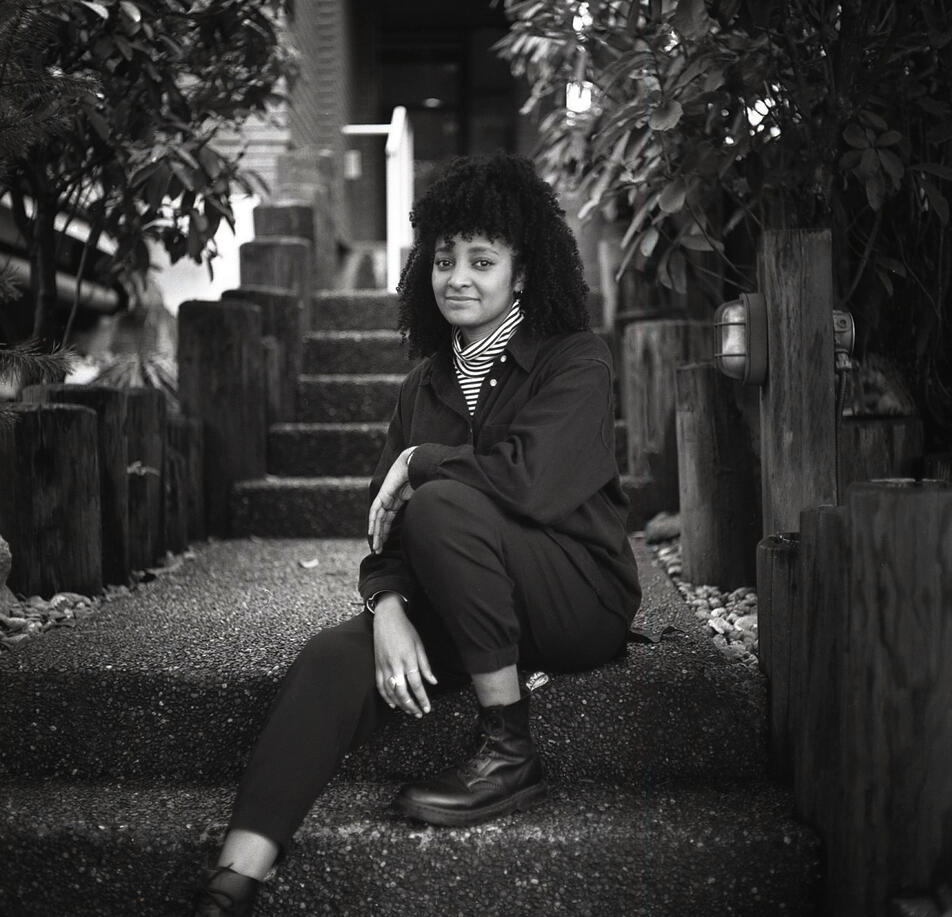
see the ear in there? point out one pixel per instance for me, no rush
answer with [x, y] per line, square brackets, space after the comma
[519, 282]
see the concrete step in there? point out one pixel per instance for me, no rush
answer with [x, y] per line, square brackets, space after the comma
[300, 507]
[174, 681]
[103, 850]
[356, 310]
[330, 352]
[333, 507]
[355, 398]
[298, 450]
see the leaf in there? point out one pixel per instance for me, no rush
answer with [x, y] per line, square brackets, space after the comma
[696, 243]
[131, 11]
[181, 173]
[691, 19]
[678, 271]
[97, 8]
[666, 116]
[937, 200]
[871, 119]
[673, 196]
[892, 264]
[893, 165]
[638, 218]
[875, 190]
[850, 160]
[99, 124]
[648, 241]
[855, 136]
[934, 168]
[868, 165]
[889, 138]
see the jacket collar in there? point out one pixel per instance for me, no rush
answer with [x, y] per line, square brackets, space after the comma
[523, 346]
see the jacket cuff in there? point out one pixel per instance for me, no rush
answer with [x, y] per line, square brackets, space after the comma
[372, 586]
[425, 462]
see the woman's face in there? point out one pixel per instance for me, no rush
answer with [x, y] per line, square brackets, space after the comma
[473, 283]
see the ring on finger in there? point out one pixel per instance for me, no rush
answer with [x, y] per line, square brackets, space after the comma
[394, 680]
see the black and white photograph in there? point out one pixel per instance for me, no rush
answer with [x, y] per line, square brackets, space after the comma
[475, 458]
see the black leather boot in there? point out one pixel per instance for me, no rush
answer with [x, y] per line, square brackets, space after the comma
[503, 776]
[226, 893]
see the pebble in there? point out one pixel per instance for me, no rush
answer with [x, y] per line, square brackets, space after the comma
[731, 617]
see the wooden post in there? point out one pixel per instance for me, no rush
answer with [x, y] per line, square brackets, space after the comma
[651, 353]
[280, 263]
[878, 447]
[176, 484]
[938, 466]
[717, 474]
[221, 381]
[49, 499]
[145, 432]
[293, 219]
[820, 645]
[797, 406]
[185, 439]
[282, 320]
[111, 407]
[777, 610]
[897, 729]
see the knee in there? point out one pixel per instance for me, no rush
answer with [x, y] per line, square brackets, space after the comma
[339, 652]
[439, 506]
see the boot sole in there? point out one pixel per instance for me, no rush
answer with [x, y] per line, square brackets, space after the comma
[518, 802]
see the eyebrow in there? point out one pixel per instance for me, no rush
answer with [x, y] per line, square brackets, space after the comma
[479, 249]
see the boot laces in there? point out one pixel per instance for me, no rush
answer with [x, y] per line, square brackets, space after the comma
[485, 737]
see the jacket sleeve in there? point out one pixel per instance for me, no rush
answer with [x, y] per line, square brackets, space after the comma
[558, 451]
[387, 571]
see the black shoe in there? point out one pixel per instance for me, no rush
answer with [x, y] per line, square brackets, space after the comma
[226, 893]
[503, 776]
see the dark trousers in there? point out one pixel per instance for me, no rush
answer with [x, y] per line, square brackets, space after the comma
[491, 592]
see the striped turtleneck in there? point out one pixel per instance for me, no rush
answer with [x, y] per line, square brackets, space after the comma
[473, 363]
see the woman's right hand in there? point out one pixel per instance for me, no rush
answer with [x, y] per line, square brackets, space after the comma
[401, 660]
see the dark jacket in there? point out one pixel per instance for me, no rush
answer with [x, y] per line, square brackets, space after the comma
[541, 445]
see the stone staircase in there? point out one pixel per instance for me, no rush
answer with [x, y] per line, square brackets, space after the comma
[121, 740]
[319, 468]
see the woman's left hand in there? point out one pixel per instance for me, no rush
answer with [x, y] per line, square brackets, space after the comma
[393, 493]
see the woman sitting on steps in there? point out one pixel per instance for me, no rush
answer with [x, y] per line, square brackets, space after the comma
[496, 527]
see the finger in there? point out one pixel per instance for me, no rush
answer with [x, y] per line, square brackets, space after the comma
[373, 516]
[383, 690]
[424, 662]
[416, 687]
[379, 530]
[407, 703]
[386, 523]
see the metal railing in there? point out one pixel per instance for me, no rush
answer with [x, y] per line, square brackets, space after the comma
[399, 152]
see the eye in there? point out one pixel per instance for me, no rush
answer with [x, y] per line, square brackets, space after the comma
[442, 263]
[483, 263]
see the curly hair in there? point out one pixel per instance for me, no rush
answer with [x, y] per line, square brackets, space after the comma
[501, 197]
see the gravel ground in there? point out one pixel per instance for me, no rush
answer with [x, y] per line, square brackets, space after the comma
[731, 617]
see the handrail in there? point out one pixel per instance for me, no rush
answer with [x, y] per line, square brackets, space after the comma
[399, 152]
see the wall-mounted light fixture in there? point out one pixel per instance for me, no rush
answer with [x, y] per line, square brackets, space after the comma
[844, 336]
[740, 339]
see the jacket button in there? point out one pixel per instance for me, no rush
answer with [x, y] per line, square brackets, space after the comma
[492, 383]
[502, 359]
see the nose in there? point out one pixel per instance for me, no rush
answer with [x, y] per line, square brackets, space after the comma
[459, 277]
